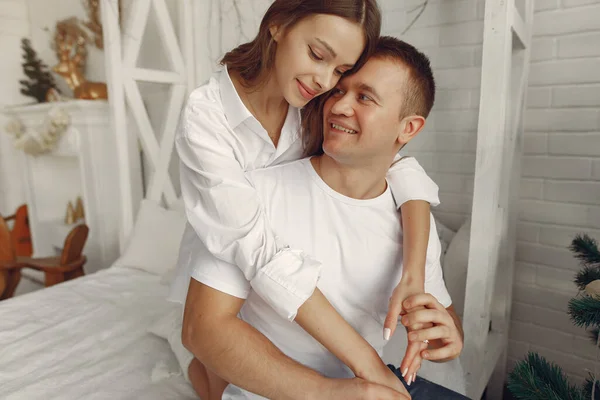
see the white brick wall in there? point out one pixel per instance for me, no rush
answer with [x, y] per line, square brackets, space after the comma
[14, 25]
[560, 187]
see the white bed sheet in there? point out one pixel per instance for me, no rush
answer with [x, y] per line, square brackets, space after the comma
[88, 339]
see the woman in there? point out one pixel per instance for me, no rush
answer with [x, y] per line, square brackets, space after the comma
[248, 117]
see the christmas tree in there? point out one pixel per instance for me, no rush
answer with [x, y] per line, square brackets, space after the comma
[40, 79]
[537, 379]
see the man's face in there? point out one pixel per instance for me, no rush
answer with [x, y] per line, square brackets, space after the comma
[362, 116]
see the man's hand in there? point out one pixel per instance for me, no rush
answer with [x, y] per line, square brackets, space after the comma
[445, 335]
[359, 389]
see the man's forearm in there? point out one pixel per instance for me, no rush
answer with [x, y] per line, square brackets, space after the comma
[237, 352]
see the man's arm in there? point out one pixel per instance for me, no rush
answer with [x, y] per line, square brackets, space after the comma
[240, 354]
[236, 351]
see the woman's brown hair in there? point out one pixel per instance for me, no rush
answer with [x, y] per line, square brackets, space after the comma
[252, 59]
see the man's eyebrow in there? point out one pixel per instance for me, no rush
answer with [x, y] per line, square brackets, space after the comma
[370, 89]
[331, 51]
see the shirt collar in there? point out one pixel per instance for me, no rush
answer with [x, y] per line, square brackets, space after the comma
[235, 110]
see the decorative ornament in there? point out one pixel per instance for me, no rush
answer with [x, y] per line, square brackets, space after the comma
[593, 288]
[45, 138]
[40, 80]
[70, 45]
[79, 213]
[70, 215]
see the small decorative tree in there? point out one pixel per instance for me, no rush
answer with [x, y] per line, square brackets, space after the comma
[40, 79]
[537, 379]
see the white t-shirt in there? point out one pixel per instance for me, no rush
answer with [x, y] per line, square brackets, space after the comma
[218, 141]
[359, 243]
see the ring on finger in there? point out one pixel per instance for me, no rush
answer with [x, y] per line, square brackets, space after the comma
[426, 341]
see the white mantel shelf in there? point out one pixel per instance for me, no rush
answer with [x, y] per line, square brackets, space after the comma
[82, 164]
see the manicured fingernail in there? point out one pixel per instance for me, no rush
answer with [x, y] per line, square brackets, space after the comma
[408, 382]
[404, 372]
[386, 333]
[414, 377]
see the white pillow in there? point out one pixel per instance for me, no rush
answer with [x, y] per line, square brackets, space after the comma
[446, 235]
[154, 243]
[455, 266]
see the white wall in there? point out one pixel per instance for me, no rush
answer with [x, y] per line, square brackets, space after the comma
[561, 181]
[14, 24]
[560, 188]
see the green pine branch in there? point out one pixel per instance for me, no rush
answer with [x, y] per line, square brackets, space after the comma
[40, 79]
[587, 388]
[587, 275]
[536, 379]
[585, 311]
[586, 250]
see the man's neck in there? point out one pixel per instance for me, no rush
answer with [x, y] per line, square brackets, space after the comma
[357, 182]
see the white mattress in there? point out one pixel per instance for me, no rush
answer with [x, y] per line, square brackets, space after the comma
[87, 339]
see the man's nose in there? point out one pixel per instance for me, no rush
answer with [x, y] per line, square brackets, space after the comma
[343, 106]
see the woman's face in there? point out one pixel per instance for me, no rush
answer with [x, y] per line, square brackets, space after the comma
[312, 55]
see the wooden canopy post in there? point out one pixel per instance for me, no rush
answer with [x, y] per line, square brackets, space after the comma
[488, 298]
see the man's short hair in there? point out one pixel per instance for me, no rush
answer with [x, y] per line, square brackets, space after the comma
[420, 90]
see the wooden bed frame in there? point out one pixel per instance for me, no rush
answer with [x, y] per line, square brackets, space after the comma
[505, 68]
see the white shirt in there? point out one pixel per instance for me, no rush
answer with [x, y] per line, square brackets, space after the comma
[360, 245]
[217, 141]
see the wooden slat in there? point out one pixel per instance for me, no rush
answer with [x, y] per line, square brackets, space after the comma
[113, 62]
[486, 216]
[520, 29]
[161, 172]
[186, 30]
[155, 76]
[168, 36]
[146, 131]
[504, 285]
[134, 31]
[489, 359]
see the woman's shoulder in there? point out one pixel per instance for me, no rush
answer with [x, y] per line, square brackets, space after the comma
[206, 96]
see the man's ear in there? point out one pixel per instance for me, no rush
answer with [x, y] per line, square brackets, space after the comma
[276, 32]
[409, 128]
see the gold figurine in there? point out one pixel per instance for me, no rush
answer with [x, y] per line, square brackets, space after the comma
[70, 45]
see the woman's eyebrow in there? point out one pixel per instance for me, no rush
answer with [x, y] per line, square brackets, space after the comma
[331, 51]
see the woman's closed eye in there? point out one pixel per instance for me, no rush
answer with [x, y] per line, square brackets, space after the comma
[314, 55]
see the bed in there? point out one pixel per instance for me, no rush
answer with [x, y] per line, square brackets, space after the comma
[89, 339]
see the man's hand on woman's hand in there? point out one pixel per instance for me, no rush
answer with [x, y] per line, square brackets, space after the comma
[427, 319]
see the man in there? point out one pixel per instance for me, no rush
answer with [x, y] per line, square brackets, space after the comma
[368, 118]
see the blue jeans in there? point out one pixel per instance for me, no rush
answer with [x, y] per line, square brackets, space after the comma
[422, 389]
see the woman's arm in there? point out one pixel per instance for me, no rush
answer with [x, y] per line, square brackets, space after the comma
[413, 192]
[226, 213]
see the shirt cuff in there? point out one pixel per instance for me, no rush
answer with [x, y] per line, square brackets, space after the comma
[287, 281]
